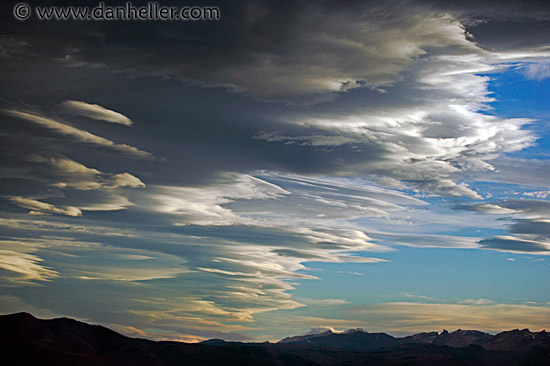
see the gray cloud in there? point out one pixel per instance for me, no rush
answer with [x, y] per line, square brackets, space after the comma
[540, 227]
[512, 244]
[524, 207]
[529, 229]
[406, 81]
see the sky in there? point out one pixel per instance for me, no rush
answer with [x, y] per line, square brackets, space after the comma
[293, 165]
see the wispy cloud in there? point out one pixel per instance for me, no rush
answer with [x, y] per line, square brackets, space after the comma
[537, 71]
[77, 175]
[400, 318]
[95, 111]
[38, 207]
[26, 266]
[76, 133]
[530, 228]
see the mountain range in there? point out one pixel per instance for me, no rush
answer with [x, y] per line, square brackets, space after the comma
[26, 340]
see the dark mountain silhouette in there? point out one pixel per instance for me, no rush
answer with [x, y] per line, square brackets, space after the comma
[305, 337]
[458, 338]
[26, 340]
[356, 340]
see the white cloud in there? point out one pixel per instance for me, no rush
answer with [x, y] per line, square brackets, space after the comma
[537, 71]
[537, 194]
[206, 205]
[425, 240]
[95, 111]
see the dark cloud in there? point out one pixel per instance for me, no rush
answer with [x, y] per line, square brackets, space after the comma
[511, 244]
[531, 227]
[529, 207]
[529, 231]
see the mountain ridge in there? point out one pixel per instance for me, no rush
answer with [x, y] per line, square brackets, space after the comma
[65, 341]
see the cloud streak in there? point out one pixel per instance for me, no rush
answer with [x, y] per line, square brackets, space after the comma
[95, 111]
[77, 134]
[41, 208]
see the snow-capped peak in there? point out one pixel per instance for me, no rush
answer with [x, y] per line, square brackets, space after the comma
[355, 330]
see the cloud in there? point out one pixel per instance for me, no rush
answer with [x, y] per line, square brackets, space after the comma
[95, 111]
[537, 71]
[525, 208]
[88, 261]
[26, 267]
[325, 302]
[341, 39]
[487, 208]
[70, 173]
[411, 95]
[530, 228]
[537, 194]
[315, 140]
[126, 180]
[529, 208]
[534, 227]
[420, 143]
[417, 317]
[516, 245]
[205, 205]
[107, 202]
[425, 240]
[531, 172]
[402, 318]
[79, 135]
[38, 170]
[38, 207]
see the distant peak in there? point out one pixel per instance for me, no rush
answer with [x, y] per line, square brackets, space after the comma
[355, 330]
[321, 330]
[22, 314]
